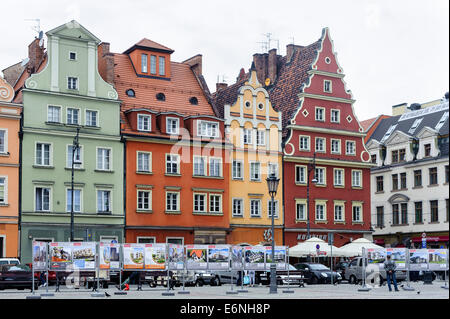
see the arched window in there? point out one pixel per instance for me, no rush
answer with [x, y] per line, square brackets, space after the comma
[130, 93]
[160, 96]
[193, 100]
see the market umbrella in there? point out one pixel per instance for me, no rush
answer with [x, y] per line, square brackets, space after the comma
[309, 248]
[355, 247]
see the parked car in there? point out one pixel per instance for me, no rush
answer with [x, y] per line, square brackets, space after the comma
[418, 275]
[16, 276]
[316, 273]
[354, 272]
[340, 268]
[197, 278]
[295, 276]
[9, 261]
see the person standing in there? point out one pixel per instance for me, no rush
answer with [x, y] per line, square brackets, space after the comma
[389, 267]
[251, 274]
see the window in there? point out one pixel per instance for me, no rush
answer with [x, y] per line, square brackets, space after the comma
[273, 208]
[380, 217]
[320, 144]
[304, 143]
[172, 164]
[172, 125]
[388, 133]
[402, 155]
[91, 118]
[327, 86]
[160, 96]
[144, 162]
[144, 123]
[395, 156]
[3, 141]
[380, 183]
[237, 169]
[78, 163]
[208, 129]
[433, 176]
[418, 212]
[427, 148]
[373, 158]
[415, 125]
[72, 83]
[193, 100]
[247, 136]
[404, 212]
[320, 212]
[255, 171]
[130, 93]
[338, 177]
[162, 65]
[144, 63]
[215, 167]
[447, 208]
[320, 176]
[441, 121]
[42, 156]
[146, 240]
[144, 199]
[103, 201]
[172, 202]
[434, 208]
[54, 114]
[357, 213]
[403, 180]
[418, 178]
[350, 148]
[300, 174]
[215, 203]
[395, 214]
[335, 146]
[260, 137]
[199, 166]
[153, 64]
[394, 182]
[42, 199]
[72, 56]
[72, 116]
[104, 159]
[3, 190]
[255, 208]
[175, 240]
[339, 212]
[335, 116]
[238, 207]
[199, 203]
[76, 200]
[272, 169]
[300, 211]
[320, 114]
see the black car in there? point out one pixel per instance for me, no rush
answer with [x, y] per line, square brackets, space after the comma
[340, 268]
[17, 277]
[318, 274]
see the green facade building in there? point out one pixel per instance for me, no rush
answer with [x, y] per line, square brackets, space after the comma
[69, 93]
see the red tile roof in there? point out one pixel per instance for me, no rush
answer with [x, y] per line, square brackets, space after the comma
[150, 45]
[367, 123]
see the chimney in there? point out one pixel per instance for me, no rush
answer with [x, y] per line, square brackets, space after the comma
[272, 65]
[106, 62]
[241, 75]
[260, 61]
[35, 54]
[220, 86]
[196, 64]
[290, 49]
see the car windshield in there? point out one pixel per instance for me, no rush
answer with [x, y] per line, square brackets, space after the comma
[16, 268]
[318, 267]
[292, 267]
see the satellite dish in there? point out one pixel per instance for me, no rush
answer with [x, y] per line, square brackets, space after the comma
[267, 82]
[41, 42]
[24, 61]
[41, 35]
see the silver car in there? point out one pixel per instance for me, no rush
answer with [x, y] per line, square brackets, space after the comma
[354, 272]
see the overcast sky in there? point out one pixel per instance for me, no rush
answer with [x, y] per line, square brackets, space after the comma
[391, 51]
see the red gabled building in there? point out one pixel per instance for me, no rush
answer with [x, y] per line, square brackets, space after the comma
[176, 172]
[307, 86]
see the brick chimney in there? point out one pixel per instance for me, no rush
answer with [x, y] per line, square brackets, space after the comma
[272, 65]
[106, 62]
[36, 55]
[290, 50]
[241, 75]
[220, 86]
[260, 60]
[196, 64]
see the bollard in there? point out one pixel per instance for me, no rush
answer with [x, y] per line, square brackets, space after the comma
[364, 287]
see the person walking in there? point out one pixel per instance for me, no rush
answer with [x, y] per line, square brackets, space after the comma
[251, 274]
[389, 267]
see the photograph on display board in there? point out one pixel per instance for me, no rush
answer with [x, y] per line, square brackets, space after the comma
[133, 256]
[280, 257]
[176, 256]
[254, 257]
[437, 258]
[39, 255]
[155, 256]
[398, 255]
[236, 257]
[196, 257]
[418, 258]
[83, 255]
[60, 255]
[109, 256]
[376, 256]
[219, 257]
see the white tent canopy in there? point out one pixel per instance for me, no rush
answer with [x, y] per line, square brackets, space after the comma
[355, 247]
[308, 248]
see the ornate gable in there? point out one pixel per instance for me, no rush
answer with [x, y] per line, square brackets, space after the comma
[6, 91]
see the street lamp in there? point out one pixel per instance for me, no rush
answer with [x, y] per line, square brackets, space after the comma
[75, 148]
[272, 184]
[311, 167]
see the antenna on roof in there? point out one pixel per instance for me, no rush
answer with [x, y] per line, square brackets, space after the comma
[37, 26]
[293, 42]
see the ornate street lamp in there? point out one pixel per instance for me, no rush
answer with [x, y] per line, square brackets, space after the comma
[75, 148]
[272, 184]
[311, 167]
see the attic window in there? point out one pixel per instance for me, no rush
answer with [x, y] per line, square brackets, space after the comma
[193, 100]
[130, 93]
[247, 104]
[160, 97]
[261, 106]
[327, 60]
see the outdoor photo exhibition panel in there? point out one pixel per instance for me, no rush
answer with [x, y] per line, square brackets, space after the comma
[155, 256]
[438, 259]
[254, 257]
[109, 256]
[133, 256]
[398, 255]
[175, 257]
[39, 255]
[197, 257]
[418, 259]
[280, 257]
[218, 257]
[237, 258]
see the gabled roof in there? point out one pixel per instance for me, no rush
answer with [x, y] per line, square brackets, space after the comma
[146, 44]
[366, 124]
[73, 25]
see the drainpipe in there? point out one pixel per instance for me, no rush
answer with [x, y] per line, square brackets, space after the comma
[19, 241]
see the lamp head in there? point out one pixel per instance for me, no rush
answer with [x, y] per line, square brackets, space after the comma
[272, 184]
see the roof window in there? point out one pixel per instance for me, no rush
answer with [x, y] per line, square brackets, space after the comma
[130, 93]
[160, 96]
[193, 100]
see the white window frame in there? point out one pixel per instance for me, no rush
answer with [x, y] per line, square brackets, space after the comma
[50, 154]
[335, 170]
[248, 136]
[5, 141]
[78, 115]
[241, 206]
[330, 86]
[69, 156]
[205, 164]
[317, 204]
[68, 190]
[257, 164]
[177, 156]
[153, 64]
[220, 203]
[308, 139]
[360, 206]
[339, 146]
[50, 206]
[251, 207]
[319, 108]
[149, 161]
[110, 200]
[149, 192]
[241, 170]
[205, 202]
[177, 130]
[324, 144]
[199, 129]
[324, 175]
[338, 116]
[305, 175]
[347, 142]
[97, 119]
[142, 127]
[360, 178]
[302, 202]
[182, 239]
[60, 113]
[110, 168]
[277, 208]
[144, 66]
[211, 166]
[162, 71]
[272, 164]
[76, 56]
[342, 205]
[76, 83]
[153, 238]
[178, 202]
[260, 137]
[5, 190]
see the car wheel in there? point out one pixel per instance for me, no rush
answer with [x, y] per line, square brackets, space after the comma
[352, 280]
[199, 283]
[215, 281]
[314, 280]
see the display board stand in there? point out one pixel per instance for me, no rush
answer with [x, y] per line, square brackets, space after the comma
[288, 290]
[364, 287]
[168, 293]
[445, 286]
[232, 292]
[184, 292]
[408, 286]
[97, 292]
[33, 295]
[121, 292]
[242, 290]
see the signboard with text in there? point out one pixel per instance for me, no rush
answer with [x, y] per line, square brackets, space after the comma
[218, 257]
[39, 255]
[197, 257]
[109, 256]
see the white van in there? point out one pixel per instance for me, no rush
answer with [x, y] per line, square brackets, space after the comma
[354, 272]
[9, 261]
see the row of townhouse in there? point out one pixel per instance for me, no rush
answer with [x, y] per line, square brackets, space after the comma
[161, 159]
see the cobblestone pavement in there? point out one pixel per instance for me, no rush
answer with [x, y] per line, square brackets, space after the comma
[342, 291]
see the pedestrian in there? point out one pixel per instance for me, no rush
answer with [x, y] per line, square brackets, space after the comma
[251, 274]
[42, 279]
[389, 267]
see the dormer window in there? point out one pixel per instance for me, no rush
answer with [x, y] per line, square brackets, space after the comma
[144, 122]
[193, 100]
[130, 93]
[172, 125]
[208, 129]
[162, 65]
[153, 64]
[160, 97]
[144, 63]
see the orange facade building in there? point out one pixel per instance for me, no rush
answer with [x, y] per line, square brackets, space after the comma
[10, 114]
[176, 167]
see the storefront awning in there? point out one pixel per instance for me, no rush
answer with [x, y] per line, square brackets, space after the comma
[431, 239]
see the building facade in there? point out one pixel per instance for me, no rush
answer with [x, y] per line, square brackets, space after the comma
[10, 115]
[176, 159]
[254, 129]
[410, 192]
[65, 95]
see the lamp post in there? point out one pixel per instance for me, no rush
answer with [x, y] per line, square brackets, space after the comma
[272, 184]
[75, 147]
[311, 167]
